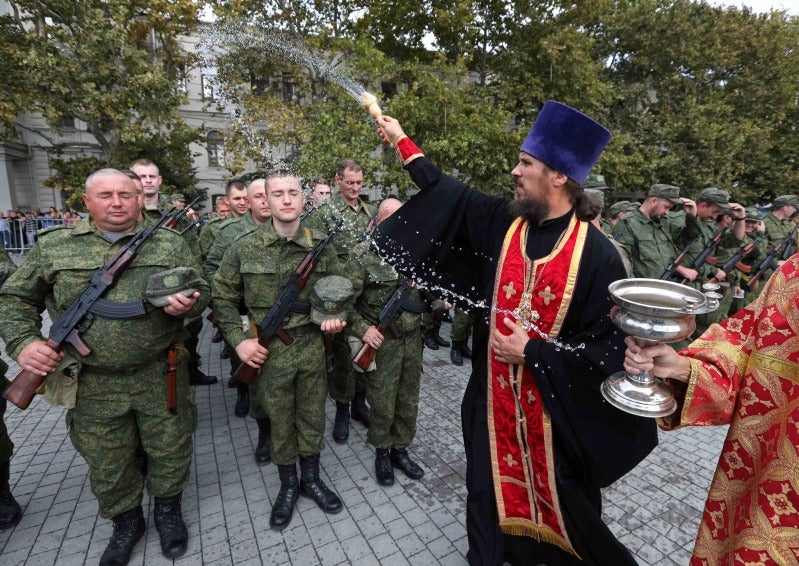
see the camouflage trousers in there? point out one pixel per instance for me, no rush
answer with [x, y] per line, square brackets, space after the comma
[393, 391]
[292, 388]
[345, 380]
[114, 415]
[6, 446]
[462, 322]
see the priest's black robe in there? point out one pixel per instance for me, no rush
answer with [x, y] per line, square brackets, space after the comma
[449, 238]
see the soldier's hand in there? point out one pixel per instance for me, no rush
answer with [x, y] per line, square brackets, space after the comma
[252, 353]
[333, 326]
[760, 226]
[39, 358]
[509, 349]
[390, 130]
[687, 272]
[688, 206]
[373, 337]
[180, 304]
[721, 275]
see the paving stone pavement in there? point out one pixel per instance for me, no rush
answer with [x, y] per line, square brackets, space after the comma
[654, 510]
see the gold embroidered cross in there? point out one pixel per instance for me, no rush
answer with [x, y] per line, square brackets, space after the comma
[502, 381]
[530, 397]
[546, 294]
[509, 290]
[524, 313]
[510, 461]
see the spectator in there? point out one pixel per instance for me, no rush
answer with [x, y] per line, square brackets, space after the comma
[31, 227]
[5, 233]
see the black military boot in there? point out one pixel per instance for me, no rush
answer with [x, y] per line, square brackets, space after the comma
[283, 508]
[430, 342]
[129, 527]
[455, 354]
[360, 411]
[199, 378]
[10, 511]
[401, 460]
[341, 426]
[439, 340]
[466, 350]
[312, 486]
[383, 470]
[242, 399]
[263, 452]
[170, 526]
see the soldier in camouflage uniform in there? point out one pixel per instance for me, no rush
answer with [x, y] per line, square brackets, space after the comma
[291, 384]
[155, 204]
[597, 183]
[122, 387]
[236, 192]
[462, 322]
[617, 213]
[247, 402]
[393, 386]
[346, 388]
[755, 234]
[10, 511]
[778, 221]
[597, 200]
[650, 240]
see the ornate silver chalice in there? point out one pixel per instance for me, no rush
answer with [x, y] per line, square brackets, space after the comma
[652, 311]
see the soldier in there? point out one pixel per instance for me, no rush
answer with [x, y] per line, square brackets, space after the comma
[431, 322]
[393, 386]
[462, 322]
[291, 384]
[755, 234]
[616, 214]
[155, 204]
[10, 511]
[597, 183]
[597, 200]
[257, 214]
[237, 204]
[121, 397]
[320, 190]
[777, 221]
[346, 388]
[650, 240]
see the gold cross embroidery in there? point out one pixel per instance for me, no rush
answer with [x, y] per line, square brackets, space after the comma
[502, 381]
[547, 295]
[509, 290]
[510, 461]
[530, 397]
[524, 313]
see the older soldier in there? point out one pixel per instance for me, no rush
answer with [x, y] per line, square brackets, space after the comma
[258, 213]
[651, 242]
[345, 387]
[291, 384]
[10, 511]
[121, 392]
[393, 386]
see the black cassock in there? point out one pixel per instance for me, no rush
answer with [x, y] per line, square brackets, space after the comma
[449, 237]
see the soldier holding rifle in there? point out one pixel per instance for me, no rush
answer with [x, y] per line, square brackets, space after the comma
[121, 399]
[257, 268]
[393, 386]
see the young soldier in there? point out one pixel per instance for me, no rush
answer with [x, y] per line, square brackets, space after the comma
[291, 384]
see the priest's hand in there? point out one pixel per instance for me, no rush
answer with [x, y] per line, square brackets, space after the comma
[660, 359]
[509, 349]
[390, 130]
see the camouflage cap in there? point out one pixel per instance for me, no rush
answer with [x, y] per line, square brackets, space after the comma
[670, 193]
[178, 197]
[752, 213]
[595, 181]
[596, 197]
[714, 196]
[330, 298]
[183, 280]
[785, 200]
[621, 206]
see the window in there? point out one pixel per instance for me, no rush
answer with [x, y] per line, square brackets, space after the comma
[216, 149]
[208, 80]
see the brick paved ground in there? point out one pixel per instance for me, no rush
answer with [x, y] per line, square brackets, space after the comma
[654, 510]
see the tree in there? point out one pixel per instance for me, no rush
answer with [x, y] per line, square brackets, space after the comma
[114, 65]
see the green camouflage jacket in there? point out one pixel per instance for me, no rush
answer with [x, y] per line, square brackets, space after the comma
[227, 233]
[325, 216]
[651, 245]
[56, 272]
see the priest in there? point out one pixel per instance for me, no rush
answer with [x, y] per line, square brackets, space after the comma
[540, 440]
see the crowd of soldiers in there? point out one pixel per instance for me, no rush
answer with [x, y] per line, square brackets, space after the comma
[134, 431]
[123, 418]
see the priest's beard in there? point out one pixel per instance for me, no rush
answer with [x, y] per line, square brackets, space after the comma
[532, 210]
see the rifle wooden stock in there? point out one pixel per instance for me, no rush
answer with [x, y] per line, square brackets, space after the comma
[172, 381]
[364, 357]
[245, 372]
[22, 389]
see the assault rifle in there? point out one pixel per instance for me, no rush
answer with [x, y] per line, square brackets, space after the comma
[735, 261]
[387, 319]
[272, 324]
[669, 273]
[770, 262]
[178, 213]
[88, 304]
[704, 256]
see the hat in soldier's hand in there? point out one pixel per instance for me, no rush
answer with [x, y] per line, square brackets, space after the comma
[713, 195]
[670, 193]
[160, 286]
[330, 298]
[785, 200]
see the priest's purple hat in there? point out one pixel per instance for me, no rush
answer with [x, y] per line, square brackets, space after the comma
[566, 140]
